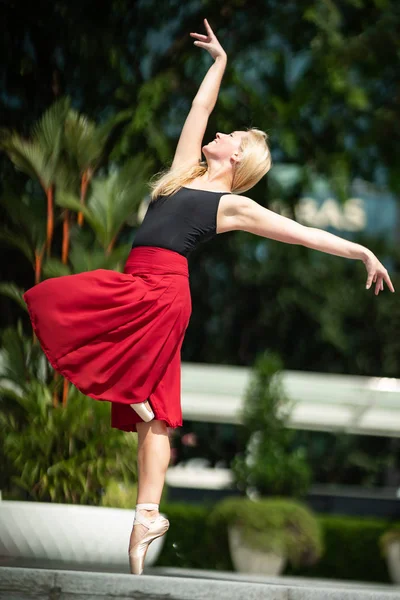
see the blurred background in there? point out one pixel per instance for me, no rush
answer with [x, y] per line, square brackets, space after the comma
[290, 367]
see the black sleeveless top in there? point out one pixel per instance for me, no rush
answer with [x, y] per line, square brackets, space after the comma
[180, 222]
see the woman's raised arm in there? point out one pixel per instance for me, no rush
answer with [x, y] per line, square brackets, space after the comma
[188, 150]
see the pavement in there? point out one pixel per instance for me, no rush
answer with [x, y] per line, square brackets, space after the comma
[162, 583]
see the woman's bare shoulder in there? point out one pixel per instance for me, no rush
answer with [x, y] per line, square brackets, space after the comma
[230, 209]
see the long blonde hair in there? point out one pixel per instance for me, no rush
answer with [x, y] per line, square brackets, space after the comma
[253, 165]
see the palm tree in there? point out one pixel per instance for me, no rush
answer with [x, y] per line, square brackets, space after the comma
[84, 145]
[62, 154]
[39, 157]
[64, 149]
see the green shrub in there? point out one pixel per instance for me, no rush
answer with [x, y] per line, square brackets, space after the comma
[191, 542]
[351, 550]
[274, 524]
[119, 495]
[66, 454]
[269, 465]
[54, 453]
[198, 540]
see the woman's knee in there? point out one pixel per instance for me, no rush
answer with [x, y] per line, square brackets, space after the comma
[151, 428]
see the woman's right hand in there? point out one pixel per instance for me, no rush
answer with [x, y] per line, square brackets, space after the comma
[209, 42]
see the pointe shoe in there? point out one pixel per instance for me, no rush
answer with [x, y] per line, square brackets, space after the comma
[156, 528]
[144, 413]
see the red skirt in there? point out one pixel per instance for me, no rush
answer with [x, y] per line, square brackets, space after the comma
[118, 336]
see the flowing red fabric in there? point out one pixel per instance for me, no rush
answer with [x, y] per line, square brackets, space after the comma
[118, 336]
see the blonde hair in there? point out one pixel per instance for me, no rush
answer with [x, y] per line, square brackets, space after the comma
[253, 165]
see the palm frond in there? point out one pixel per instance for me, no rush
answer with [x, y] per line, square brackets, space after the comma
[68, 200]
[10, 393]
[17, 241]
[48, 131]
[67, 175]
[21, 361]
[89, 260]
[99, 204]
[82, 140]
[31, 158]
[113, 200]
[53, 267]
[28, 214]
[39, 157]
[11, 290]
[130, 188]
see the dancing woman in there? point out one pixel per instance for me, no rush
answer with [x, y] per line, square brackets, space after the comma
[117, 336]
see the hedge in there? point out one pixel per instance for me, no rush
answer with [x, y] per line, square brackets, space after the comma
[191, 543]
[351, 545]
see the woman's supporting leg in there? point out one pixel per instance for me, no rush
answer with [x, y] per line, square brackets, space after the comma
[153, 456]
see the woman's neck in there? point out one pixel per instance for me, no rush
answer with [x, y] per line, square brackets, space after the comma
[215, 179]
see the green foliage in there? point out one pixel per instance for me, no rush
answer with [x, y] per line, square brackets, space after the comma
[351, 550]
[119, 495]
[351, 545]
[66, 454]
[63, 144]
[59, 454]
[278, 525]
[39, 157]
[319, 78]
[21, 361]
[348, 459]
[83, 258]
[307, 73]
[112, 199]
[308, 307]
[83, 141]
[269, 466]
[26, 213]
[13, 292]
[192, 543]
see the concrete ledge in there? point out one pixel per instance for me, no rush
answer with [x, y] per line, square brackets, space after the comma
[286, 580]
[45, 584]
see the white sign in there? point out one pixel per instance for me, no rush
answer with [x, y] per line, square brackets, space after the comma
[350, 216]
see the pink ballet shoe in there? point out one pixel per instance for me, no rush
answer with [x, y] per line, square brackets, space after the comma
[144, 413]
[156, 528]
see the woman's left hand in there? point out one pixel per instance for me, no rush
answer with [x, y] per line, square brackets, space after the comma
[209, 42]
[377, 274]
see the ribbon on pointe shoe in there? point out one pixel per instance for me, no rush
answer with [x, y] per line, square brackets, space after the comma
[144, 413]
[142, 520]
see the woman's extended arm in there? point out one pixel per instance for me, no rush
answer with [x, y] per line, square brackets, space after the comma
[188, 150]
[242, 213]
[209, 88]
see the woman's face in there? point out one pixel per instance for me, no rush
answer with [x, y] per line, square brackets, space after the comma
[225, 145]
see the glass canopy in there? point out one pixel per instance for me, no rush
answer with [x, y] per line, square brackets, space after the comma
[322, 401]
